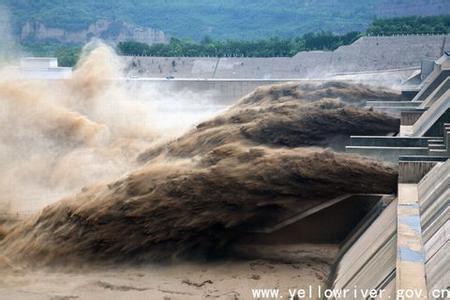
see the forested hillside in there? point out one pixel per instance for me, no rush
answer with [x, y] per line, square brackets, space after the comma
[287, 46]
[221, 19]
[269, 47]
[410, 25]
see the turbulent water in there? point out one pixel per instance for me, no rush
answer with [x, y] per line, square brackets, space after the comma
[189, 196]
[57, 137]
[289, 115]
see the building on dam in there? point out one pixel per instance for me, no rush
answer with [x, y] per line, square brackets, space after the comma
[42, 68]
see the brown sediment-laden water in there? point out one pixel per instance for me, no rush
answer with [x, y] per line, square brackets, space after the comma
[151, 200]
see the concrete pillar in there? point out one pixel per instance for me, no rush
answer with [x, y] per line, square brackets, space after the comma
[413, 171]
[447, 137]
[410, 274]
[408, 118]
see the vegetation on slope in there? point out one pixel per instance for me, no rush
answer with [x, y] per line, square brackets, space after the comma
[222, 19]
[269, 47]
[273, 47]
[410, 25]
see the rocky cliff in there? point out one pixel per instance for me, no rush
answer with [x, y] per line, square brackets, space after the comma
[114, 31]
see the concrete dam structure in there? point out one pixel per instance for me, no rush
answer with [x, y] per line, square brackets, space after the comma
[394, 243]
[367, 54]
[406, 247]
[375, 60]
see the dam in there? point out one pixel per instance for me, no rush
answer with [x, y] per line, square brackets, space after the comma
[376, 60]
[391, 241]
[399, 242]
[408, 242]
[367, 54]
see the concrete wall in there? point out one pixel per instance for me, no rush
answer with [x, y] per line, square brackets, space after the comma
[434, 195]
[415, 256]
[413, 171]
[366, 54]
[41, 68]
[431, 122]
[38, 62]
[436, 94]
[343, 214]
[383, 153]
[431, 84]
[407, 245]
[378, 53]
[408, 118]
[410, 261]
[369, 262]
[388, 141]
[223, 92]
